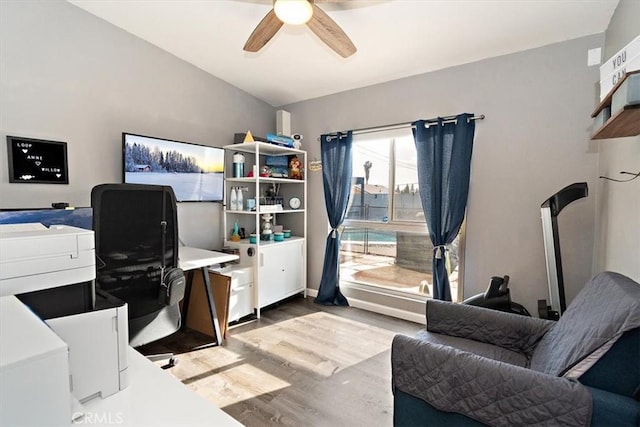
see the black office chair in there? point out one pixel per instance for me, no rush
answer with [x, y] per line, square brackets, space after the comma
[136, 238]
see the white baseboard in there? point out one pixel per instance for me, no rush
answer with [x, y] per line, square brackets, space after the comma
[380, 309]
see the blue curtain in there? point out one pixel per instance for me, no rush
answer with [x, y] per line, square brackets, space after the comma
[336, 176]
[444, 165]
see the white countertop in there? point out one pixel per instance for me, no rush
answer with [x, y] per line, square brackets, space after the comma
[191, 258]
[154, 398]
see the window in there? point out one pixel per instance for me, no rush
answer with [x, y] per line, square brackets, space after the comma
[379, 165]
[385, 242]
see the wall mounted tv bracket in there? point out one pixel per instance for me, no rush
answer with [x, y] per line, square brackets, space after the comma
[550, 210]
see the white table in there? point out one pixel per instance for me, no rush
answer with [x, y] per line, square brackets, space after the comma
[190, 259]
[154, 398]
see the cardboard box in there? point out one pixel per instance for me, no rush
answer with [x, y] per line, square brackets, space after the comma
[233, 293]
[627, 94]
[199, 317]
[602, 118]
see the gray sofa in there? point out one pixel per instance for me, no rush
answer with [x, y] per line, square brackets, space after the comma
[474, 366]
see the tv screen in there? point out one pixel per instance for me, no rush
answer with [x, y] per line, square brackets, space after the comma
[196, 172]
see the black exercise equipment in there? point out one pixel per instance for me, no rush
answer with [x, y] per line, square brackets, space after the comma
[550, 210]
[497, 297]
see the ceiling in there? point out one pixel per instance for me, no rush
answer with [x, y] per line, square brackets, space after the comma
[395, 38]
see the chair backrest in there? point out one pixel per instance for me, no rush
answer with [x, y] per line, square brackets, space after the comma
[127, 221]
[606, 308]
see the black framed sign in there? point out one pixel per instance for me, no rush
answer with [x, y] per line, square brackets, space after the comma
[37, 161]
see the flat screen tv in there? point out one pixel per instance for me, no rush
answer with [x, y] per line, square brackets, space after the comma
[195, 172]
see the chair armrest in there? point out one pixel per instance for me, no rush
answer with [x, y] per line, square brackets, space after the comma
[486, 390]
[511, 331]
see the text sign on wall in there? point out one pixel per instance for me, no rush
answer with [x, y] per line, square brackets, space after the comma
[37, 161]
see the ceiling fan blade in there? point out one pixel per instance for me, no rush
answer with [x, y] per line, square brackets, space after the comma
[266, 29]
[329, 32]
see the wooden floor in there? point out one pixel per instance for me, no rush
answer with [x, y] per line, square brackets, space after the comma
[301, 364]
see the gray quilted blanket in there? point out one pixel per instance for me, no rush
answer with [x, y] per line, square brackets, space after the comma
[516, 333]
[607, 306]
[489, 391]
[486, 385]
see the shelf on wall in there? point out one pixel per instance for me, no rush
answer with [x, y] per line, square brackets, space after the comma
[625, 122]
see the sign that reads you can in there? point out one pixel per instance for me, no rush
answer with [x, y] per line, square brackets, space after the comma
[624, 61]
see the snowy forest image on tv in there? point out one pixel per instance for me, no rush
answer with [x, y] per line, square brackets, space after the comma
[194, 171]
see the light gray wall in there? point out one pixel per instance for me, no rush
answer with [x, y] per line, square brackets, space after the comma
[618, 204]
[623, 27]
[533, 142]
[66, 75]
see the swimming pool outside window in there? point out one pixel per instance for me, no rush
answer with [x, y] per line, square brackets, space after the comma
[385, 241]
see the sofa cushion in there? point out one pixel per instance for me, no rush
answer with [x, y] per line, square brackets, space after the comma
[479, 348]
[607, 306]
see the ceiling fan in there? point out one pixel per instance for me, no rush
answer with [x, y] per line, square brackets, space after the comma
[298, 12]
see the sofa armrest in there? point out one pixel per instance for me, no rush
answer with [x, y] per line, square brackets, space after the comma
[610, 409]
[486, 390]
[511, 331]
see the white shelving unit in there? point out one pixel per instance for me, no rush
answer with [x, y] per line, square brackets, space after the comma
[280, 268]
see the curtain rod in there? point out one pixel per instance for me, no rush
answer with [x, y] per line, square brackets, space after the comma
[447, 119]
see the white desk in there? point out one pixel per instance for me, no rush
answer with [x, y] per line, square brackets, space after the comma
[154, 398]
[190, 259]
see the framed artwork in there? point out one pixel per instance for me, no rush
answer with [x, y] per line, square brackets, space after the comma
[37, 161]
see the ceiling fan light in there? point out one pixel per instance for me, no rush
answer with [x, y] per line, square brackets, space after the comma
[294, 12]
